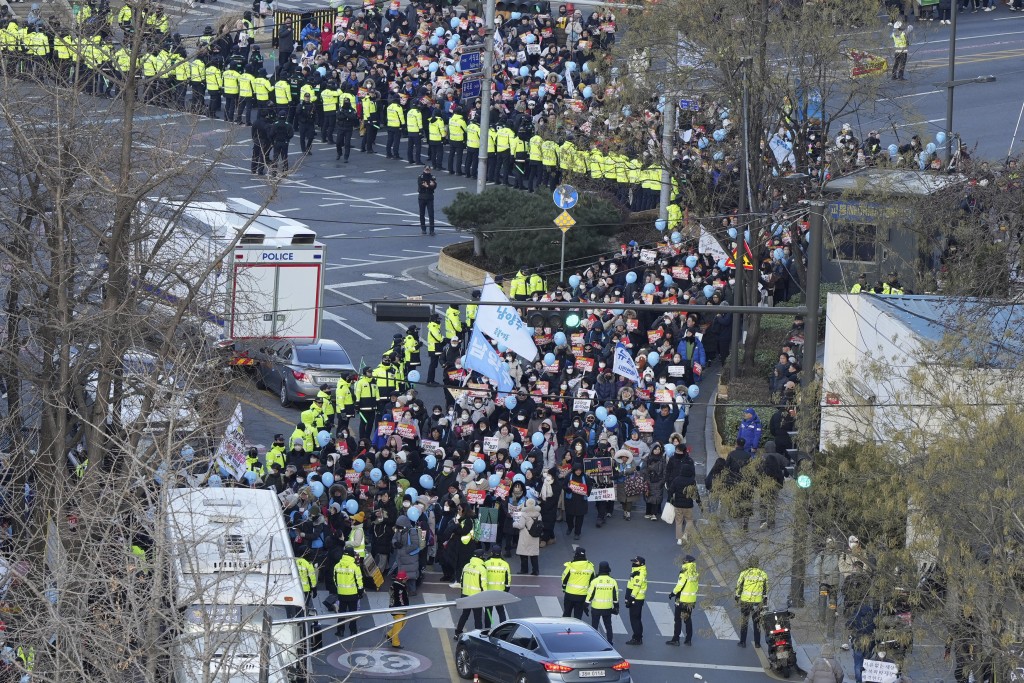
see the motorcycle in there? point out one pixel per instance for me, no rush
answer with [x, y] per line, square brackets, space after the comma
[779, 642]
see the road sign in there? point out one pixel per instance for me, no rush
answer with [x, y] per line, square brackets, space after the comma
[565, 197]
[471, 87]
[380, 663]
[687, 104]
[565, 221]
[471, 61]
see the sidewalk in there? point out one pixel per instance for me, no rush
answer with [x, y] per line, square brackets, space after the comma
[774, 547]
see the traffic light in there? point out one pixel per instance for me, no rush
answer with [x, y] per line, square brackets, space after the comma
[803, 470]
[568, 321]
[572, 320]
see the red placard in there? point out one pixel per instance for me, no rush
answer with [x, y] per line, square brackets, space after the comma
[585, 364]
[578, 488]
[406, 431]
[645, 424]
[385, 428]
[475, 496]
[654, 335]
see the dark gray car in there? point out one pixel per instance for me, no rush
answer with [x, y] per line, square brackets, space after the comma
[294, 369]
[540, 650]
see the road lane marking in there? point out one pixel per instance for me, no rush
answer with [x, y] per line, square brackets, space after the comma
[919, 123]
[376, 170]
[441, 618]
[357, 283]
[720, 622]
[452, 189]
[337, 319]
[263, 410]
[334, 177]
[664, 617]
[913, 94]
[378, 229]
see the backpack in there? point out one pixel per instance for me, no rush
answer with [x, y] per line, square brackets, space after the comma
[535, 529]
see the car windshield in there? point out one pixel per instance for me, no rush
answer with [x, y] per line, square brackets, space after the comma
[574, 641]
[319, 355]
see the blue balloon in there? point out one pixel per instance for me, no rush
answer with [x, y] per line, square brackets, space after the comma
[479, 465]
[660, 224]
[526, 466]
[718, 156]
[574, 281]
[359, 465]
[449, 70]
[214, 482]
[390, 467]
[676, 238]
[431, 461]
[453, 43]
[524, 71]
[413, 513]
[511, 402]
[611, 422]
[746, 235]
[427, 482]
[894, 150]
[588, 92]
[630, 277]
[376, 475]
[930, 148]
[940, 138]
[732, 233]
[434, 40]
[560, 339]
[249, 476]
[538, 74]
[520, 478]
[351, 506]
[502, 348]
[691, 261]
[708, 291]
[721, 264]
[542, 91]
[549, 359]
[693, 391]
[718, 135]
[433, 67]
[515, 448]
[601, 413]
[516, 16]
[649, 288]
[670, 450]
[323, 438]
[439, 31]
[537, 439]
[653, 358]
[667, 279]
[412, 493]
[529, 39]
[586, 69]
[570, 66]
[702, 143]
[778, 253]
[414, 376]
[454, 23]
[327, 479]
[494, 480]
[317, 488]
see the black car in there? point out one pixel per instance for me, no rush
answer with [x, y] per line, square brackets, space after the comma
[294, 369]
[540, 650]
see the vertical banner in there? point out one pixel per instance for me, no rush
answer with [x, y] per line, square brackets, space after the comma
[231, 452]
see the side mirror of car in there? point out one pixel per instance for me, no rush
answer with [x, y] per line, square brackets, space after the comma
[486, 633]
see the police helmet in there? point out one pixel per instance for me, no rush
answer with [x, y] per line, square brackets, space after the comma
[208, 30]
[580, 554]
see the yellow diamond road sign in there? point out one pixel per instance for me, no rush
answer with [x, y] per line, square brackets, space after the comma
[565, 221]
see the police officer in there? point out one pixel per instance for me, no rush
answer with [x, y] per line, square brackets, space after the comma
[576, 579]
[457, 139]
[498, 578]
[343, 403]
[229, 78]
[636, 594]
[326, 405]
[435, 341]
[751, 590]
[276, 452]
[348, 581]
[425, 186]
[517, 290]
[900, 46]
[306, 122]
[346, 121]
[308, 577]
[603, 599]
[329, 96]
[452, 322]
[436, 134]
[214, 85]
[861, 285]
[414, 127]
[364, 393]
[396, 124]
[474, 576]
[411, 345]
[684, 595]
[262, 141]
[371, 122]
[281, 134]
[472, 149]
[471, 310]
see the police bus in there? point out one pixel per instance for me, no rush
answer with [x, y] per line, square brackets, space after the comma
[232, 564]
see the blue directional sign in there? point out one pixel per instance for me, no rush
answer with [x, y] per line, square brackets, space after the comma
[689, 104]
[565, 197]
[471, 61]
[471, 87]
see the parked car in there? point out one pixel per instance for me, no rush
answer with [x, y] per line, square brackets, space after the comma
[295, 368]
[540, 650]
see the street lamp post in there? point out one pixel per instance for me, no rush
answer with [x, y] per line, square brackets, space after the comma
[951, 83]
[485, 95]
[484, 600]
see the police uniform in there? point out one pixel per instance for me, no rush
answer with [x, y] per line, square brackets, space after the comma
[636, 594]
[684, 595]
[474, 577]
[576, 579]
[603, 600]
[498, 577]
[348, 581]
[751, 590]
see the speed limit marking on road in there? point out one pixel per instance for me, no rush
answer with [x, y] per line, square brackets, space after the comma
[380, 663]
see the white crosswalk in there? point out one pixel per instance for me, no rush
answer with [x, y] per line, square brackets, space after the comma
[711, 621]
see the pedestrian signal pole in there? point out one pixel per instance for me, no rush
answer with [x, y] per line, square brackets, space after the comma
[485, 96]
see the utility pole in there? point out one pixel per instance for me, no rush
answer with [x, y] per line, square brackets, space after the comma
[741, 232]
[949, 88]
[485, 95]
[668, 125]
[801, 514]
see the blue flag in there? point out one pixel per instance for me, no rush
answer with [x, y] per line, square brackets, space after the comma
[624, 364]
[481, 358]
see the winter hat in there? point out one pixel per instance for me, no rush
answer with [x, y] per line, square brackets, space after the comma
[604, 568]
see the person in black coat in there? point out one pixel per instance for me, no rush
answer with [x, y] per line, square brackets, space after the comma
[463, 550]
[682, 491]
[346, 121]
[576, 488]
[773, 467]
[740, 494]
[550, 492]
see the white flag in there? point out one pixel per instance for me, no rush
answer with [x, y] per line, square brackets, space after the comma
[231, 452]
[502, 323]
[624, 364]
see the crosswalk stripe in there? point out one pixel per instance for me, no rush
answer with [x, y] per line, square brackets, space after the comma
[664, 617]
[441, 618]
[378, 601]
[720, 623]
[617, 625]
[549, 606]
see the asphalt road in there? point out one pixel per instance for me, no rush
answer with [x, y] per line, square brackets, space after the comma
[985, 114]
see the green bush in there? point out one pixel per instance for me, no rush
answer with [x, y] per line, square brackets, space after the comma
[519, 227]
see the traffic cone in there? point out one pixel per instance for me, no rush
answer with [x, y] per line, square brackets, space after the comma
[476, 678]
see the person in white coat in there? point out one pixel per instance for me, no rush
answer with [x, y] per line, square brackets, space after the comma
[528, 547]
